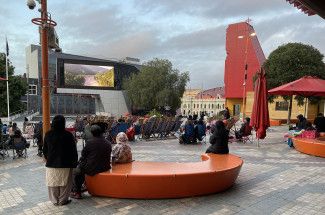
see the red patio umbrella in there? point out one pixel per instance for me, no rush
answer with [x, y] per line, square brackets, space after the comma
[306, 86]
[2, 79]
[260, 120]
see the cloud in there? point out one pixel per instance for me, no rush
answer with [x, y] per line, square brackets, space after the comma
[191, 34]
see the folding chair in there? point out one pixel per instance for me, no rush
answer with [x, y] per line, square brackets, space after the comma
[248, 138]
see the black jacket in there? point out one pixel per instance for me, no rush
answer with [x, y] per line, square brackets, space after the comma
[219, 142]
[320, 123]
[60, 149]
[96, 156]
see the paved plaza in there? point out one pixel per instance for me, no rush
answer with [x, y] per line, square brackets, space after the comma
[274, 180]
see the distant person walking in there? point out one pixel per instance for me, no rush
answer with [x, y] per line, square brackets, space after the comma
[226, 113]
[60, 153]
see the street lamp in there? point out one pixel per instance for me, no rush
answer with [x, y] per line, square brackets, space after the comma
[44, 22]
[252, 34]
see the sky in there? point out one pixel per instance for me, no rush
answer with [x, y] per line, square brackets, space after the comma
[189, 33]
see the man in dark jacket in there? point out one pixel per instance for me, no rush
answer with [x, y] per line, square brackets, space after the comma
[95, 158]
[320, 123]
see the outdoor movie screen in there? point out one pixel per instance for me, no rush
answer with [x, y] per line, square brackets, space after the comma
[88, 75]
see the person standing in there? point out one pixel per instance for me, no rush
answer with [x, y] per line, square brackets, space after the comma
[60, 153]
[38, 135]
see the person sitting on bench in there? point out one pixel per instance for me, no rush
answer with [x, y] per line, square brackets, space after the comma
[245, 129]
[121, 151]
[219, 139]
[95, 158]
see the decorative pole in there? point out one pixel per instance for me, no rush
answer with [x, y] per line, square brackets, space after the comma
[45, 22]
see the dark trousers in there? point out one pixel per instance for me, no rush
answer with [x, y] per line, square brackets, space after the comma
[78, 179]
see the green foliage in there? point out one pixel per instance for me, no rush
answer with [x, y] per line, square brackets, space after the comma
[105, 79]
[292, 61]
[17, 88]
[74, 80]
[157, 84]
[154, 112]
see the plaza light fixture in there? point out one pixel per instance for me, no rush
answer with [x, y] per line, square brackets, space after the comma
[45, 22]
[247, 36]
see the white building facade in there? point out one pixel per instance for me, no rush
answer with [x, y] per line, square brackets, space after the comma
[196, 102]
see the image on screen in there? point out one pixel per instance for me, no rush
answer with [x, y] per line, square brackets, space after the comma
[88, 75]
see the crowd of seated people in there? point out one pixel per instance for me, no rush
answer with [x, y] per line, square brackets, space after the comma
[245, 130]
[193, 131]
[304, 128]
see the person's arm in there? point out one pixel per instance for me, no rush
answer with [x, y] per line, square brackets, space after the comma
[45, 149]
[74, 150]
[213, 139]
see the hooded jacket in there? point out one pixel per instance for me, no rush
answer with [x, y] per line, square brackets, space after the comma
[60, 149]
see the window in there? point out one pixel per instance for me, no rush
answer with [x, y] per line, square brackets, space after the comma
[218, 106]
[282, 106]
[209, 106]
[193, 105]
[32, 89]
[212, 106]
[223, 106]
[205, 106]
[201, 105]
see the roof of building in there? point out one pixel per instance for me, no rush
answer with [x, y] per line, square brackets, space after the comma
[211, 93]
[191, 92]
[310, 7]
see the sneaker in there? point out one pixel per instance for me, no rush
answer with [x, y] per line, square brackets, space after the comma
[76, 195]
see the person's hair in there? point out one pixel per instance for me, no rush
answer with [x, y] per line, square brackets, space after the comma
[96, 130]
[58, 123]
[320, 114]
[220, 129]
[300, 116]
[17, 133]
[26, 119]
[14, 125]
[121, 138]
[248, 119]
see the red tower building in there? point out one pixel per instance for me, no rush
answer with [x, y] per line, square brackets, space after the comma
[243, 48]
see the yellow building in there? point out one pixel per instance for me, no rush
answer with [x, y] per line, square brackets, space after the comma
[278, 110]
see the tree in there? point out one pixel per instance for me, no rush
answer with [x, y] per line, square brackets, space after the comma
[74, 80]
[290, 62]
[17, 88]
[157, 85]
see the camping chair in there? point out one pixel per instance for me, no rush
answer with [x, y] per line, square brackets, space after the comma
[19, 147]
[248, 136]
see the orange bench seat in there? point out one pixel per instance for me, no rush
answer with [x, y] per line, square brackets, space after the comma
[154, 180]
[314, 147]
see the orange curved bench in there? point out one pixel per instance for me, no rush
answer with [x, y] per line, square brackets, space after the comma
[156, 180]
[314, 147]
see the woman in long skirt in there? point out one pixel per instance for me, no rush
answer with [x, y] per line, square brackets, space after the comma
[60, 152]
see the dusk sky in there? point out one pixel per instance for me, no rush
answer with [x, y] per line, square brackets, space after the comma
[190, 33]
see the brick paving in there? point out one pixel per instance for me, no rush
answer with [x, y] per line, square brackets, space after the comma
[274, 180]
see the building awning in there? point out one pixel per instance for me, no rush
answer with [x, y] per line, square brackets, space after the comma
[310, 7]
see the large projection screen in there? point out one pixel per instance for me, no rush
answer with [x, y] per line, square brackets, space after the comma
[83, 75]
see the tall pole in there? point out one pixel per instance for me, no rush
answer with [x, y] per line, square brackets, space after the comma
[8, 101]
[45, 75]
[27, 76]
[245, 78]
